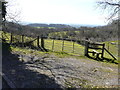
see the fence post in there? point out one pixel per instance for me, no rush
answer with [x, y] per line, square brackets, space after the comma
[102, 56]
[42, 42]
[73, 46]
[11, 39]
[63, 46]
[86, 48]
[53, 45]
[23, 40]
[38, 41]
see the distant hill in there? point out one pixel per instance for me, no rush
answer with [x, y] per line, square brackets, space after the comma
[49, 25]
[83, 25]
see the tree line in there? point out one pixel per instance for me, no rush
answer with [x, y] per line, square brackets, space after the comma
[100, 33]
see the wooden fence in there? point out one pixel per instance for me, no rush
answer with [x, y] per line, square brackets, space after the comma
[93, 47]
[64, 45]
[59, 45]
[44, 44]
[97, 49]
[24, 41]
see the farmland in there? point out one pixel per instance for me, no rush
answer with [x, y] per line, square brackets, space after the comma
[64, 64]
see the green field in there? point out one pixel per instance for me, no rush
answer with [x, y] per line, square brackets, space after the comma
[47, 27]
[62, 34]
[68, 47]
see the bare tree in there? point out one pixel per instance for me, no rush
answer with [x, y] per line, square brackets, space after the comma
[3, 9]
[3, 13]
[110, 6]
[9, 15]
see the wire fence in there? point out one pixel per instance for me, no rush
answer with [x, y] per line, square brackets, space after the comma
[70, 46]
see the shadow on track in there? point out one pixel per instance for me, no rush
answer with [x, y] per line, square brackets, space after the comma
[20, 75]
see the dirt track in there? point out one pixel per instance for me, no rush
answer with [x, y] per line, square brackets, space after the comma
[49, 71]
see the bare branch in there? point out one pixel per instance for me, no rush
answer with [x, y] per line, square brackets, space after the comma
[115, 12]
[113, 4]
[110, 5]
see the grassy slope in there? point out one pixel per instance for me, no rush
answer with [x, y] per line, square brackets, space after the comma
[68, 46]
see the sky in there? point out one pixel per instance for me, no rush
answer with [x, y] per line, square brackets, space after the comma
[57, 11]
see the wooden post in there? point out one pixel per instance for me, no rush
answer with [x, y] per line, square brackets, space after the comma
[73, 46]
[22, 40]
[102, 56]
[53, 45]
[63, 46]
[86, 48]
[38, 41]
[42, 42]
[11, 39]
